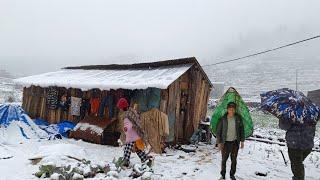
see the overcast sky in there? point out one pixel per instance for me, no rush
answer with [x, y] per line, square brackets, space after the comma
[40, 35]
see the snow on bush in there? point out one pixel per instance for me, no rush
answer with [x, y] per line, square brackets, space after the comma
[59, 154]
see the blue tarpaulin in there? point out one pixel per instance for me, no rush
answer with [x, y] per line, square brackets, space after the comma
[53, 130]
[11, 112]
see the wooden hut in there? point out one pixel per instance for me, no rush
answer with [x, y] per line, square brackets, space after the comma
[179, 88]
[314, 96]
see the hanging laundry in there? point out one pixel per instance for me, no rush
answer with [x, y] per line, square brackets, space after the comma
[64, 103]
[153, 98]
[95, 93]
[147, 99]
[119, 93]
[85, 108]
[75, 106]
[94, 103]
[107, 101]
[52, 97]
[140, 97]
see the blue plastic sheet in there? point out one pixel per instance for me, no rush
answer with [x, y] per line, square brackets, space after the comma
[9, 113]
[54, 130]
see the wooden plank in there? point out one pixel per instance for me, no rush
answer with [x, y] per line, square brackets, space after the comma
[172, 110]
[37, 101]
[42, 104]
[198, 100]
[178, 122]
[164, 100]
[58, 115]
[24, 98]
[188, 129]
[29, 100]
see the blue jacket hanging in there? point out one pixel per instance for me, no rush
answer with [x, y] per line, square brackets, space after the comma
[107, 101]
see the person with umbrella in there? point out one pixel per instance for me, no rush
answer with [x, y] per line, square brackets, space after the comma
[298, 117]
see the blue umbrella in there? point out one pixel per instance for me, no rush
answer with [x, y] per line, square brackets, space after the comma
[290, 105]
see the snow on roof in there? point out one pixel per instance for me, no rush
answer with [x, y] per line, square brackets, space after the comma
[160, 77]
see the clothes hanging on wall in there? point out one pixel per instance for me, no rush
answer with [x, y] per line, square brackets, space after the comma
[95, 93]
[153, 98]
[147, 99]
[52, 97]
[107, 101]
[64, 103]
[140, 97]
[119, 93]
[94, 103]
[85, 108]
[75, 106]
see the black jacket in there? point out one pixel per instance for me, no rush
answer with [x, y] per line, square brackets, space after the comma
[299, 136]
[222, 129]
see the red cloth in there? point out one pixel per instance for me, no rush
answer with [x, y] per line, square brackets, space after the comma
[95, 103]
[122, 103]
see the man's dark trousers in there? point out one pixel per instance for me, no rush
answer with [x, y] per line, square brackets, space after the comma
[229, 149]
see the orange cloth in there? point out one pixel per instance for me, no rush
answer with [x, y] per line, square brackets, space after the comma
[95, 103]
[139, 144]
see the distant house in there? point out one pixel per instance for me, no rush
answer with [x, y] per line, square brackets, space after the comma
[179, 88]
[314, 96]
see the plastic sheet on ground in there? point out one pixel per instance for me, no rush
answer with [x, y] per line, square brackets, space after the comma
[16, 126]
[55, 130]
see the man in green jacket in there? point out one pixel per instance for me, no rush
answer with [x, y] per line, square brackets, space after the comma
[230, 135]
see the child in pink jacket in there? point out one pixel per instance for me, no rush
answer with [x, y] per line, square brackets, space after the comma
[133, 133]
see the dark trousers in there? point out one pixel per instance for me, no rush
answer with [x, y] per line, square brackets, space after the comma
[297, 157]
[229, 149]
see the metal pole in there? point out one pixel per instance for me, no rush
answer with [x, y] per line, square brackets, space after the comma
[296, 79]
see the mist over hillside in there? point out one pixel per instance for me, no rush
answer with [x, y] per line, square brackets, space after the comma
[258, 75]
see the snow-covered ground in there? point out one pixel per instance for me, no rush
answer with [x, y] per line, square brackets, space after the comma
[9, 92]
[204, 164]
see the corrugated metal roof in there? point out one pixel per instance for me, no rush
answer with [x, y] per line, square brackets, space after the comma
[160, 77]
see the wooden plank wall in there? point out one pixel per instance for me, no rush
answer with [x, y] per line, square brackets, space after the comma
[192, 101]
[33, 100]
[199, 95]
[186, 102]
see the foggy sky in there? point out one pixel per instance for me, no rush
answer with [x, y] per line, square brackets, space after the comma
[40, 35]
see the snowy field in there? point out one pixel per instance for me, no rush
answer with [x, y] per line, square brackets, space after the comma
[204, 164]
